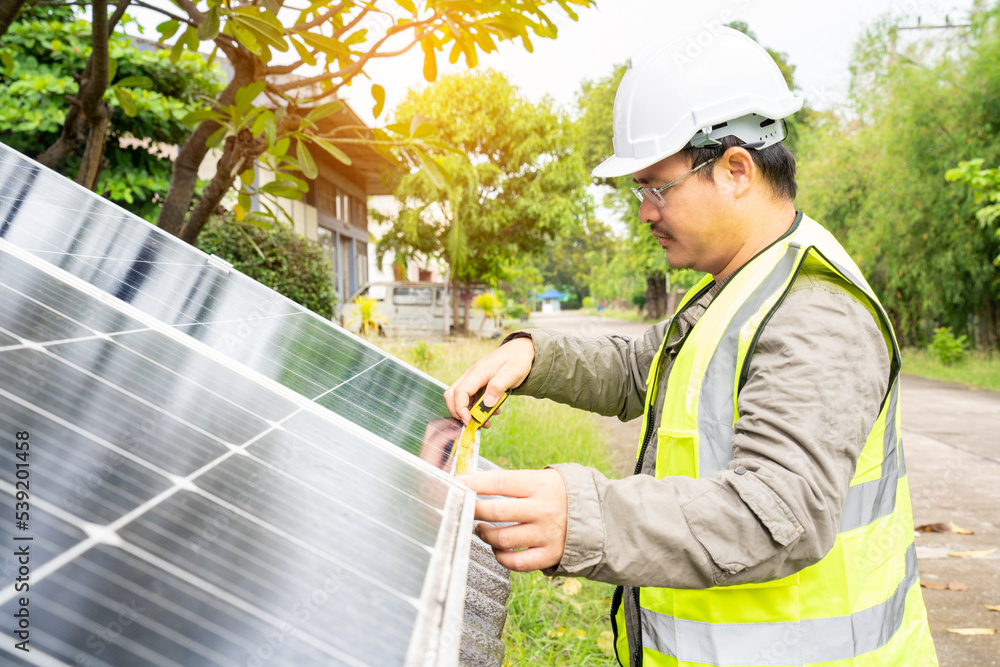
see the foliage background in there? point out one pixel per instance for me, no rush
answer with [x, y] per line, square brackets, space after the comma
[278, 257]
[48, 46]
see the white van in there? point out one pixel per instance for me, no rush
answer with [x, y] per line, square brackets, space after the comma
[413, 310]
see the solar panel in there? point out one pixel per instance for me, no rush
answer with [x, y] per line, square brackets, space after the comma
[213, 475]
[71, 228]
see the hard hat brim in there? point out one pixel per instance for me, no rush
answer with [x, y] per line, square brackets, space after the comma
[623, 166]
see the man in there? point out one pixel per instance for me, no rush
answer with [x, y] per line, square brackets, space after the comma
[769, 519]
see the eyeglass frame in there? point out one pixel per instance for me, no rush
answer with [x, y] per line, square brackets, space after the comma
[655, 194]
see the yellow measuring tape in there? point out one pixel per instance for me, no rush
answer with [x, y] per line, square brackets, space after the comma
[480, 415]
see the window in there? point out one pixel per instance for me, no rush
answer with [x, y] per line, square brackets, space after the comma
[413, 296]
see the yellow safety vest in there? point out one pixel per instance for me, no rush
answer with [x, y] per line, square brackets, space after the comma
[861, 604]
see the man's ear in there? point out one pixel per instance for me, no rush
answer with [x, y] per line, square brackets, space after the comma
[739, 170]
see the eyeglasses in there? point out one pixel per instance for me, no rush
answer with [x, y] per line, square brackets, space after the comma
[655, 195]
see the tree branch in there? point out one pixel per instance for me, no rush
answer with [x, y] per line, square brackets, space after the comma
[338, 33]
[117, 16]
[169, 15]
[352, 69]
[189, 7]
[319, 20]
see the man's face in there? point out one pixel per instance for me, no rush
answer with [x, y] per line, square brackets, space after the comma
[695, 226]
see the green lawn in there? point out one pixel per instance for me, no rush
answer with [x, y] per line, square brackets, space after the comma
[631, 315]
[978, 369]
[550, 621]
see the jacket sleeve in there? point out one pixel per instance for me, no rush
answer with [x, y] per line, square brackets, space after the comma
[814, 390]
[606, 375]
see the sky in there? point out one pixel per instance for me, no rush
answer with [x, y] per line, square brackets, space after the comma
[816, 36]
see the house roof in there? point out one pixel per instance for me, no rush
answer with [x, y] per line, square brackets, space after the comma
[550, 294]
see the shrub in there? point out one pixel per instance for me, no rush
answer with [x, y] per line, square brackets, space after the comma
[946, 347]
[516, 311]
[367, 316]
[291, 264]
[639, 300]
[588, 302]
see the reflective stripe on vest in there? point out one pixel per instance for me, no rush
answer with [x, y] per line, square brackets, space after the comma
[853, 601]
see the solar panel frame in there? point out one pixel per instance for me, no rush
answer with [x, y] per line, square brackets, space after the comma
[436, 636]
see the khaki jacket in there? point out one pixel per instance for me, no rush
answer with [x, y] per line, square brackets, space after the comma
[813, 392]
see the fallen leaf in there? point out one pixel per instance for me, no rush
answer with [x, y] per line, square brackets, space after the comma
[960, 531]
[933, 528]
[571, 586]
[973, 631]
[971, 554]
[992, 607]
[950, 586]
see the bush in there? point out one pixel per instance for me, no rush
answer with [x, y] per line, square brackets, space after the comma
[946, 347]
[516, 311]
[291, 264]
[588, 302]
[639, 300]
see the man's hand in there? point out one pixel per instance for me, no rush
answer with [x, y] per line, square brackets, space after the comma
[536, 502]
[504, 368]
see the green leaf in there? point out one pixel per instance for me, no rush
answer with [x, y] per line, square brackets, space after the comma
[378, 93]
[280, 147]
[209, 26]
[135, 82]
[304, 54]
[258, 124]
[247, 94]
[270, 129]
[167, 29]
[271, 6]
[247, 176]
[243, 198]
[8, 62]
[324, 110]
[216, 137]
[112, 68]
[333, 150]
[283, 188]
[305, 159]
[200, 115]
[433, 169]
[127, 102]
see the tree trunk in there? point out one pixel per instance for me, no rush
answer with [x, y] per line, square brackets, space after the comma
[656, 297]
[89, 116]
[240, 151]
[184, 177]
[8, 12]
[454, 305]
[93, 156]
[467, 303]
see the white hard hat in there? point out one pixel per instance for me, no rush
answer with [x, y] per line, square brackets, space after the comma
[694, 87]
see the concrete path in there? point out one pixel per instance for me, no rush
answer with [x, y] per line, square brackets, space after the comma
[951, 439]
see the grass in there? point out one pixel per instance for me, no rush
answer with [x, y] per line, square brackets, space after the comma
[551, 621]
[630, 315]
[978, 369]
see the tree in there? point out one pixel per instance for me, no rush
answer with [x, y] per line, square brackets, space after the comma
[265, 113]
[567, 264]
[515, 185]
[148, 97]
[876, 177]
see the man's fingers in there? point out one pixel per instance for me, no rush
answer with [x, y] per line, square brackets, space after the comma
[502, 483]
[521, 536]
[528, 560]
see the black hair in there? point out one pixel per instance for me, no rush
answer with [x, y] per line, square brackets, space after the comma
[776, 164]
